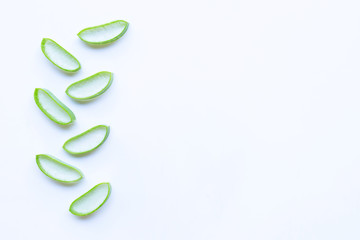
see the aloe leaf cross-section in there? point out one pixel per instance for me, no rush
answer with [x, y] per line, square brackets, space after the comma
[59, 56]
[52, 107]
[105, 33]
[87, 141]
[90, 87]
[58, 170]
[92, 200]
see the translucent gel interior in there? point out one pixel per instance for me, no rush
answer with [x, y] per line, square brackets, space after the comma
[87, 141]
[59, 56]
[57, 170]
[52, 107]
[104, 33]
[91, 200]
[90, 87]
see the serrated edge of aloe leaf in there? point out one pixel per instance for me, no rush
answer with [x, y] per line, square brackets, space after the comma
[85, 214]
[96, 94]
[64, 69]
[83, 133]
[105, 24]
[60, 162]
[58, 102]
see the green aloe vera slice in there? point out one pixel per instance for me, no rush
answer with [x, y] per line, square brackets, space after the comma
[90, 87]
[87, 141]
[58, 170]
[52, 107]
[91, 201]
[104, 33]
[59, 56]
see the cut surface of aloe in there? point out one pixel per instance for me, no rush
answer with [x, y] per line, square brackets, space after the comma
[52, 107]
[90, 87]
[91, 201]
[88, 140]
[58, 170]
[104, 33]
[59, 56]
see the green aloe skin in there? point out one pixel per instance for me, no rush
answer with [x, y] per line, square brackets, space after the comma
[105, 33]
[92, 200]
[59, 56]
[82, 90]
[52, 107]
[87, 141]
[90, 87]
[58, 170]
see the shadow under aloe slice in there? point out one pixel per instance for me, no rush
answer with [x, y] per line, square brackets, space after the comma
[87, 141]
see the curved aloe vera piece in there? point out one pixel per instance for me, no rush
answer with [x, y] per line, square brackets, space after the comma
[91, 201]
[88, 140]
[59, 56]
[58, 170]
[52, 107]
[90, 87]
[104, 33]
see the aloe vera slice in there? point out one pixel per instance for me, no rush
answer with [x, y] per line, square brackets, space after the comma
[104, 33]
[59, 56]
[52, 107]
[88, 140]
[90, 87]
[58, 170]
[91, 201]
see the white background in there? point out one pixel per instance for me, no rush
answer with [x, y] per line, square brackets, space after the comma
[230, 119]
